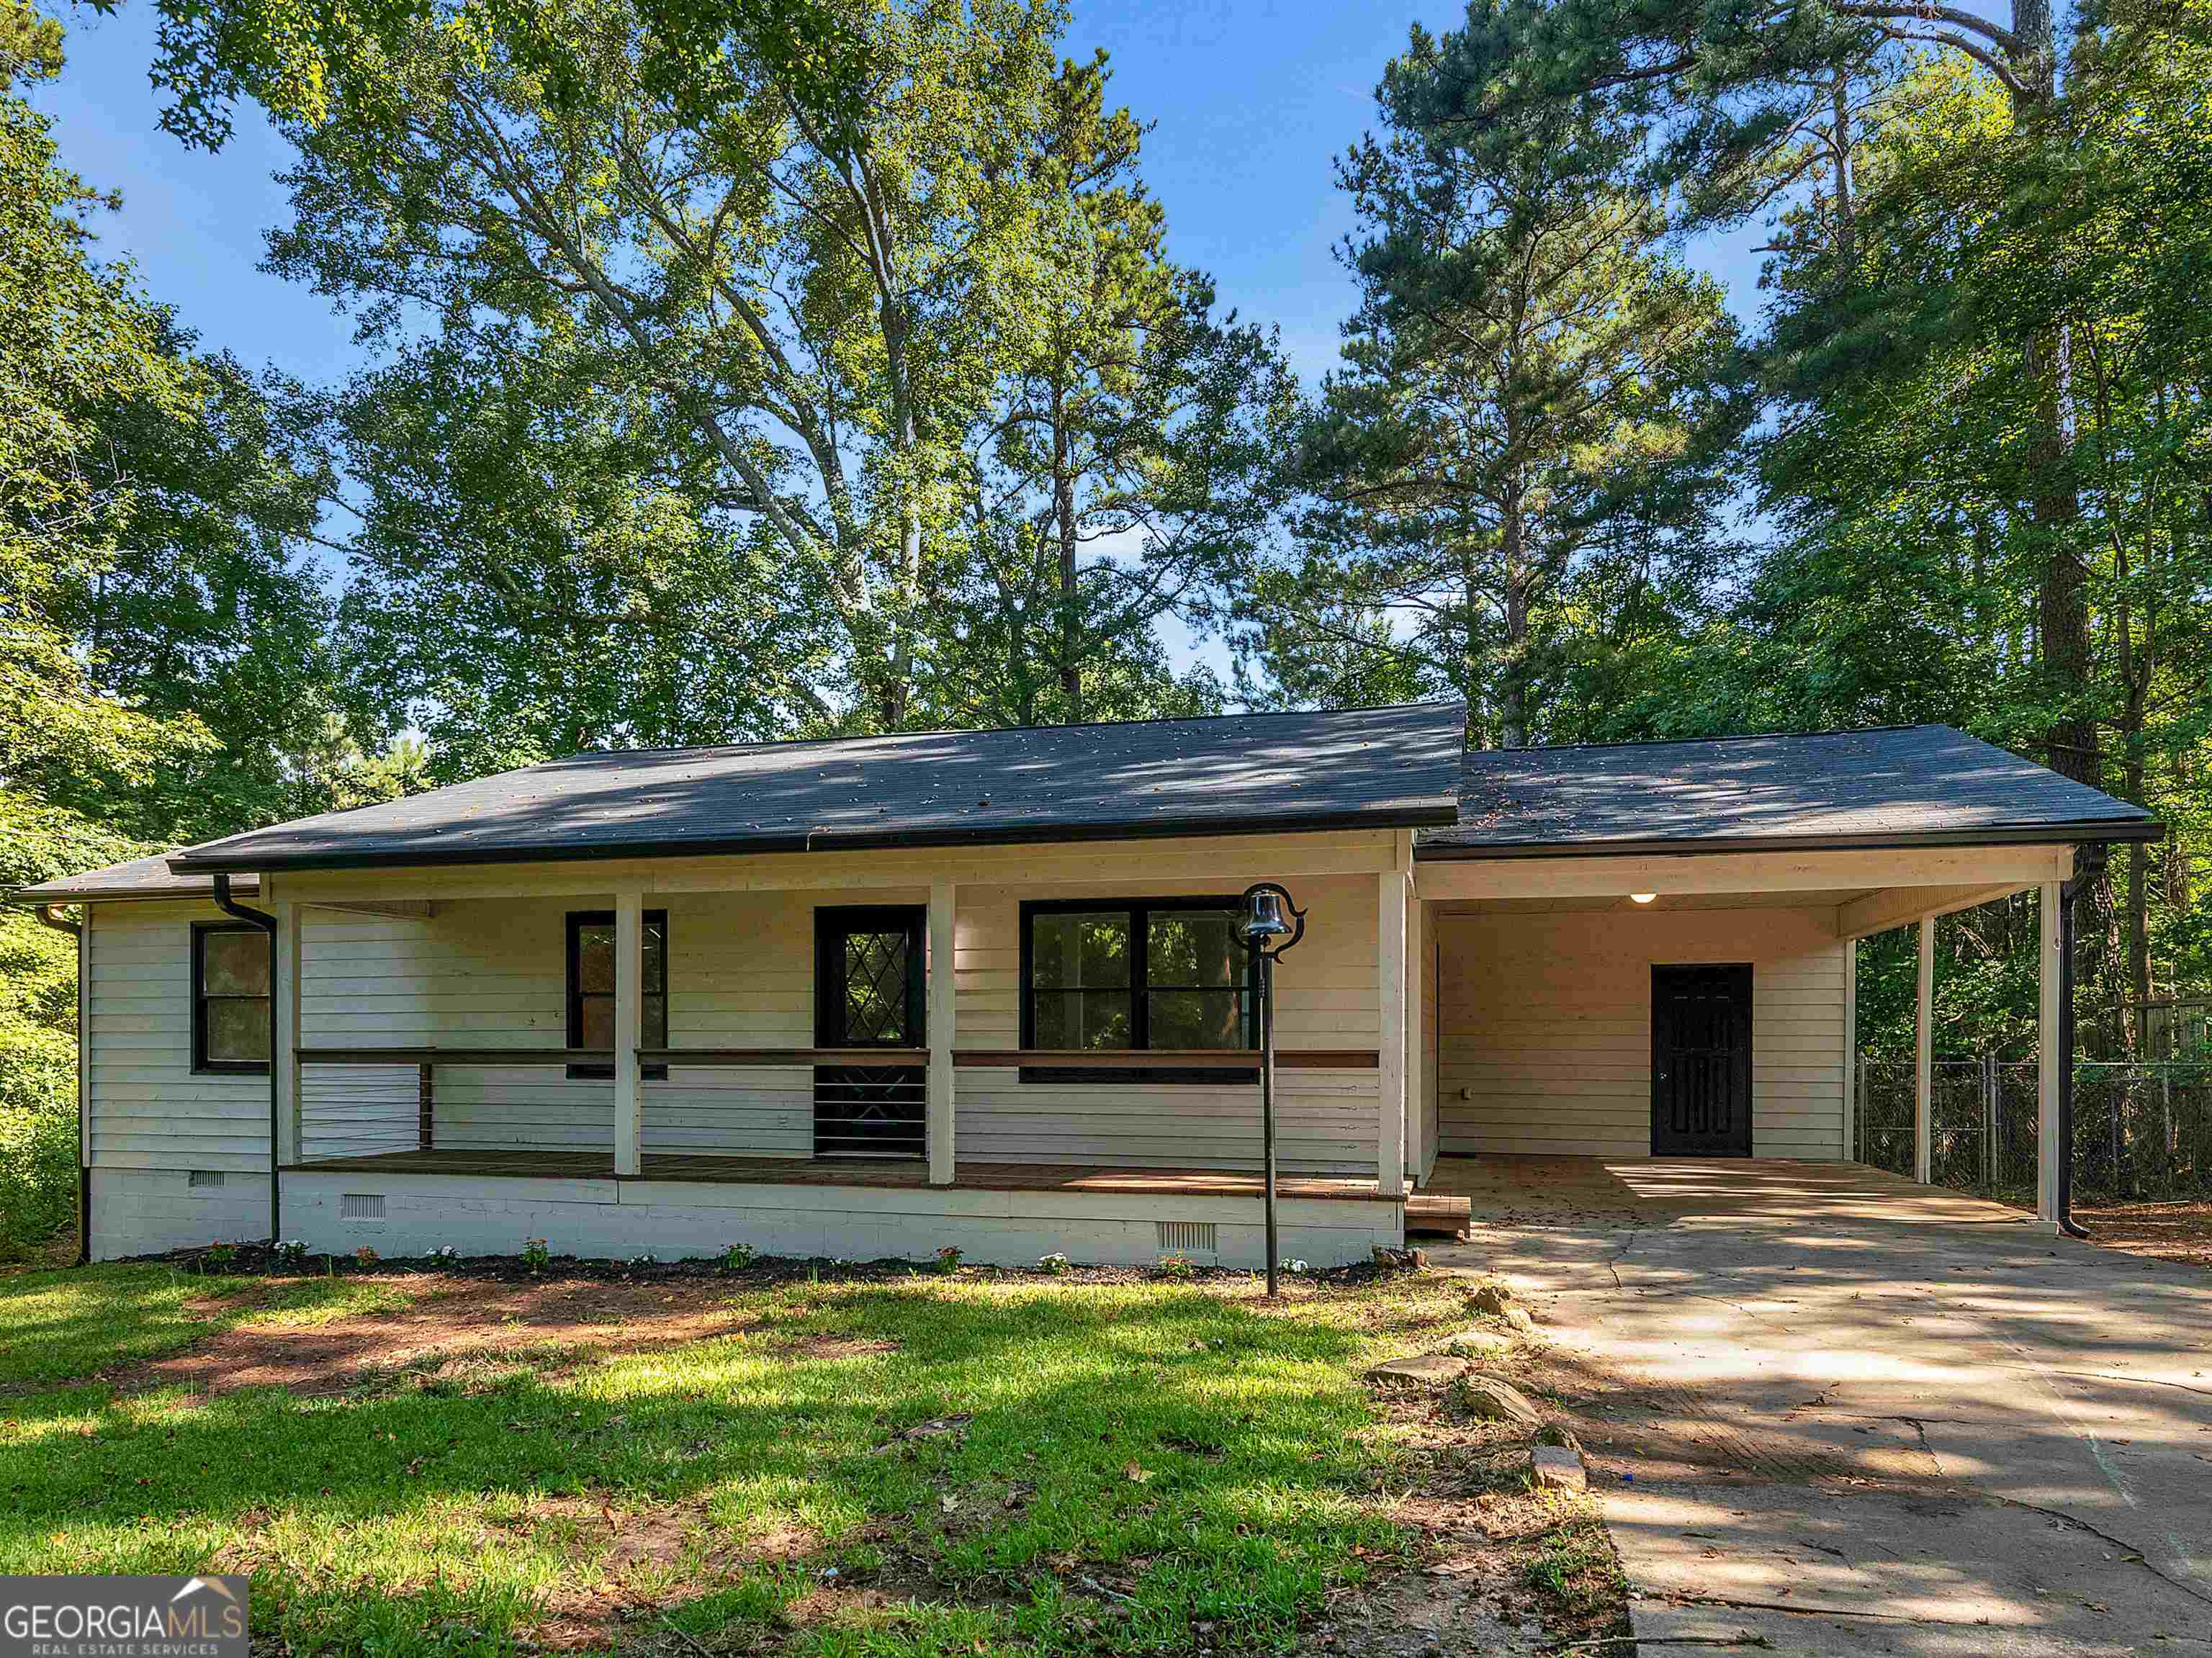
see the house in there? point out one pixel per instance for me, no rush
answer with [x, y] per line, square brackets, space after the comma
[873, 997]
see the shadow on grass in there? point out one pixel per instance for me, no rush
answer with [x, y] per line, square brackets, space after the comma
[1149, 1468]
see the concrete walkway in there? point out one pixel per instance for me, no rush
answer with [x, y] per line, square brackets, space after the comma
[1838, 1413]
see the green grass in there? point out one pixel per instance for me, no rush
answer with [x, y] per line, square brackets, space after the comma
[1575, 1564]
[1149, 1468]
[58, 1325]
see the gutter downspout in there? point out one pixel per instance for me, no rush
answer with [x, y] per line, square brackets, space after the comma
[2088, 863]
[50, 915]
[230, 906]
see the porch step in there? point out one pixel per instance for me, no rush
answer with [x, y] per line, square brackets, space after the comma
[1430, 1214]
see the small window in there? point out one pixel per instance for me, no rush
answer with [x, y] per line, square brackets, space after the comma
[592, 987]
[230, 996]
[1162, 972]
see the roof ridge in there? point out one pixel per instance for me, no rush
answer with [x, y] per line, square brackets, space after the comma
[989, 731]
[1728, 737]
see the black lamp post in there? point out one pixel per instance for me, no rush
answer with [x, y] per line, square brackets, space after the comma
[1265, 923]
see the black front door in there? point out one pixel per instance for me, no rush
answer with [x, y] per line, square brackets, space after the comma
[869, 991]
[1701, 1061]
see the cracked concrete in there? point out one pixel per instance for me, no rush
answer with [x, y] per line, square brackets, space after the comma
[1835, 1413]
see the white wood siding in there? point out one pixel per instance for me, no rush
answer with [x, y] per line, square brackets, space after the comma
[1325, 997]
[147, 1111]
[492, 972]
[1544, 1020]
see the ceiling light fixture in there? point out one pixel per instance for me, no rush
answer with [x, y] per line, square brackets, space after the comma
[1641, 897]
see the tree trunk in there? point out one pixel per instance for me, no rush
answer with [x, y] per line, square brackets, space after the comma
[1063, 512]
[1513, 683]
[1840, 140]
[2054, 504]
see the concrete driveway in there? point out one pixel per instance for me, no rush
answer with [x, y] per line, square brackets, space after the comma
[1836, 1412]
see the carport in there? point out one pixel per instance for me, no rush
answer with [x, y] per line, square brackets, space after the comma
[1644, 950]
[1826, 1411]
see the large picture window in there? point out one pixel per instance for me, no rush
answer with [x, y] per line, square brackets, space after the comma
[1136, 975]
[230, 996]
[592, 987]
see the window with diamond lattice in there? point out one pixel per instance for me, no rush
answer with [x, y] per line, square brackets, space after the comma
[876, 989]
[870, 994]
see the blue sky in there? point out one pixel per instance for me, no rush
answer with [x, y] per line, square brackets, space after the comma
[1250, 101]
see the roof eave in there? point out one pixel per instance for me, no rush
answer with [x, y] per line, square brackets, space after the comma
[2104, 831]
[38, 897]
[211, 860]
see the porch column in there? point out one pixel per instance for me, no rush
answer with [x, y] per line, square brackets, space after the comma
[1924, 1060]
[1850, 1148]
[629, 1023]
[943, 984]
[1390, 993]
[2048, 1150]
[285, 968]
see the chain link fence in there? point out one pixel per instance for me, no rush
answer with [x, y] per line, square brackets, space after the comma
[2140, 1130]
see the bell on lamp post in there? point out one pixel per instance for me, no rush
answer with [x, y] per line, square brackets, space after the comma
[1264, 920]
[1268, 933]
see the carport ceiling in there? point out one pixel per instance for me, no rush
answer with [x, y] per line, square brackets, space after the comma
[1824, 899]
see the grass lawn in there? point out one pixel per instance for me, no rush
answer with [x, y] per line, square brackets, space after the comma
[1144, 1466]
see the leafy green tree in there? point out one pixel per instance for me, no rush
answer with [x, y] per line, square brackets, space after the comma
[206, 606]
[805, 299]
[78, 344]
[1523, 449]
[1122, 469]
[540, 563]
[1729, 103]
[1910, 580]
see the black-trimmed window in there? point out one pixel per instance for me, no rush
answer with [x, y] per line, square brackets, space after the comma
[591, 986]
[230, 998]
[1133, 975]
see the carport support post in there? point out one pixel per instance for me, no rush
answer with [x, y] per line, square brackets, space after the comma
[629, 1023]
[1850, 1148]
[942, 985]
[1924, 1060]
[2048, 1151]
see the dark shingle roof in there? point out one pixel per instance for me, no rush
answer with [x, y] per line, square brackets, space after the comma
[141, 877]
[1234, 774]
[1899, 786]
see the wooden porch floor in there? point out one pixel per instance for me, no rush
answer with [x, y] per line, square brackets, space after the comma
[840, 1171]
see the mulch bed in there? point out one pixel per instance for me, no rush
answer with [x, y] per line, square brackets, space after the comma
[2163, 1231]
[258, 1260]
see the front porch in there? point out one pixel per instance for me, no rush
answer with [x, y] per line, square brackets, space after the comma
[888, 1173]
[863, 1057]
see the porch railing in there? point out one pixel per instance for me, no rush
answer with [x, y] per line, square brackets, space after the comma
[867, 1102]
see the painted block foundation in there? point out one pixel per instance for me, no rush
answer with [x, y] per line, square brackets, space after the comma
[407, 1215]
[142, 1211]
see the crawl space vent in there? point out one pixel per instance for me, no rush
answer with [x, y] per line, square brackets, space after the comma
[204, 1177]
[360, 1205]
[1186, 1237]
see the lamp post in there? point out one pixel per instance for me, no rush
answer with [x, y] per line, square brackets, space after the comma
[1264, 922]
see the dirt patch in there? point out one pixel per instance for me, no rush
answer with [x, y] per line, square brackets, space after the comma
[2162, 1231]
[474, 1328]
[638, 1562]
[1476, 1580]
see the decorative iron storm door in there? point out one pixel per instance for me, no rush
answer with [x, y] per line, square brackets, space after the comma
[869, 991]
[1701, 1061]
